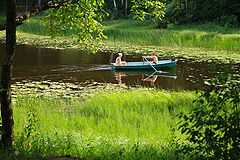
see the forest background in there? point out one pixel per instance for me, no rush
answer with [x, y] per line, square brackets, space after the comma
[224, 12]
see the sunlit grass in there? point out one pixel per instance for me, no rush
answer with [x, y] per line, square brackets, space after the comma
[54, 146]
[141, 113]
[126, 124]
[209, 35]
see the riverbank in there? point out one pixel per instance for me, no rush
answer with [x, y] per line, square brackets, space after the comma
[127, 124]
[197, 42]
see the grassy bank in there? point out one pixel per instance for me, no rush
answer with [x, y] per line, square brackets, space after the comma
[131, 113]
[128, 124]
[210, 36]
[196, 41]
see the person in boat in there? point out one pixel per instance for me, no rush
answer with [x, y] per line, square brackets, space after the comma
[153, 57]
[119, 60]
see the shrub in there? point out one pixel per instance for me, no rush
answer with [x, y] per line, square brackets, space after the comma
[213, 127]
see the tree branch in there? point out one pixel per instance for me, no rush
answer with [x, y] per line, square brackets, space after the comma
[20, 19]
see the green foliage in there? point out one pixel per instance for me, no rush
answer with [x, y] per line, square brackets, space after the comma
[188, 11]
[228, 21]
[29, 132]
[145, 9]
[214, 125]
[31, 127]
[81, 18]
[175, 11]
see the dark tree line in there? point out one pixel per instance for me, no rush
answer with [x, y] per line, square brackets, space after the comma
[118, 8]
[188, 11]
[176, 11]
[185, 11]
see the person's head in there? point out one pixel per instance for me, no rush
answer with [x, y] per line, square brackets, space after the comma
[153, 54]
[120, 54]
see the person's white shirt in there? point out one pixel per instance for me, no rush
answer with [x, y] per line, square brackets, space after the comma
[119, 60]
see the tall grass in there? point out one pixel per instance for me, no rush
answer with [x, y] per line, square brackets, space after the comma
[127, 113]
[122, 125]
[33, 27]
[103, 148]
[209, 35]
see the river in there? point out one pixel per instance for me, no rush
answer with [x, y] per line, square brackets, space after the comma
[37, 64]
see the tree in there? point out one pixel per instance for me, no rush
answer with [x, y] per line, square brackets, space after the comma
[115, 7]
[79, 16]
[126, 8]
[6, 105]
[148, 9]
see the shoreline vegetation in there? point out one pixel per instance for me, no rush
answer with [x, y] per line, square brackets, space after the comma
[194, 41]
[130, 123]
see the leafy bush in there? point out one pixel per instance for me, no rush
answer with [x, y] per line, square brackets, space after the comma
[213, 127]
[228, 21]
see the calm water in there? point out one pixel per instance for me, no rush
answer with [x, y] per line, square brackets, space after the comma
[32, 63]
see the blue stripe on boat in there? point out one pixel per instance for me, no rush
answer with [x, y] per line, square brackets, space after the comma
[162, 64]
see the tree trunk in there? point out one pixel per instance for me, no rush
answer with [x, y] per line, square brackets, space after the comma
[26, 6]
[126, 8]
[115, 9]
[6, 104]
[39, 3]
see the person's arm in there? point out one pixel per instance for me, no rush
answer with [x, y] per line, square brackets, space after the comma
[146, 57]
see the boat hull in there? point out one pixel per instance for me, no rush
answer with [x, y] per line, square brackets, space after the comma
[163, 64]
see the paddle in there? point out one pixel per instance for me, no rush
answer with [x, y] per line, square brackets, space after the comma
[152, 65]
[149, 76]
[173, 77]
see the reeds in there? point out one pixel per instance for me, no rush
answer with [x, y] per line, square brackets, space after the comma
[32, 28]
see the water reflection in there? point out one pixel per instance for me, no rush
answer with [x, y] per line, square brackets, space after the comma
[146, 76]
[151, 79]
[118, 77]
[37, 64]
